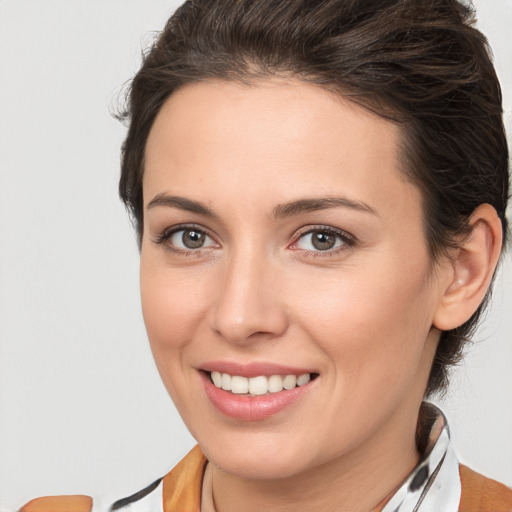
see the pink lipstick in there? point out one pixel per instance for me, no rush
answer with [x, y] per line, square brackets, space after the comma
[255, 391]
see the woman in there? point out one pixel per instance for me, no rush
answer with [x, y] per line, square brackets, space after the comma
[319, 190]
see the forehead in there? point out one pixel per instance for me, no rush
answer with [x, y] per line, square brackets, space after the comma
[271, 141]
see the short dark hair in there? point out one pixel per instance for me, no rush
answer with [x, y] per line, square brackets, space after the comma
[418, 63]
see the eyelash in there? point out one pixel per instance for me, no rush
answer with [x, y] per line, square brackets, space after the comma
[348, 240]
[169, 232]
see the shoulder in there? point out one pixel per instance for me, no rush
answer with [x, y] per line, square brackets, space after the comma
[482, 494]
[180, 489]
[77, 503]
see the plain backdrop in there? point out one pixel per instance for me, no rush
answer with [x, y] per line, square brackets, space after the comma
[82, 409]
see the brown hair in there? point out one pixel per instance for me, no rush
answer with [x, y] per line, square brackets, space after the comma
[419, 63]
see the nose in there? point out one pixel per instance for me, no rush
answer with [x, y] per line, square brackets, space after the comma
[248, 306]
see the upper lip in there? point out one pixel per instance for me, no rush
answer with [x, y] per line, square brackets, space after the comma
[253, 369]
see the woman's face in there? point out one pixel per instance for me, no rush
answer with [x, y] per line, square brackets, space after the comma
[281, 239]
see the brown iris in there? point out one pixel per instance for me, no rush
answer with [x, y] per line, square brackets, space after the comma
[322, 241]
[193, 239]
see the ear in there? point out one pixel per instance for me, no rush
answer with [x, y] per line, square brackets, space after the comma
[469, 274]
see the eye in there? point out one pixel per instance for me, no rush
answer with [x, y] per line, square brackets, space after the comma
[186, 239]
[322, 240]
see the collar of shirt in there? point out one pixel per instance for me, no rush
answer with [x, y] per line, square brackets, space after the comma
[434, 484]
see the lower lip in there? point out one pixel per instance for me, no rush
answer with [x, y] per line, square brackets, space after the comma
[252, 408]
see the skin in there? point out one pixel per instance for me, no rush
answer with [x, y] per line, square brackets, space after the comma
[361, 315]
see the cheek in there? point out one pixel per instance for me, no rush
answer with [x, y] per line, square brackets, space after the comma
[371, 324]
[172, 304]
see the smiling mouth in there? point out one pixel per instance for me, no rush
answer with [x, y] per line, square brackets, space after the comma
[260, 385]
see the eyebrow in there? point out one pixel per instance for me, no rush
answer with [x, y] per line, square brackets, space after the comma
[182, 203]
[320, 203]
[280, 211]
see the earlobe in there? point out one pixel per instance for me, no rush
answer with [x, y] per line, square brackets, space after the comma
[471, 270]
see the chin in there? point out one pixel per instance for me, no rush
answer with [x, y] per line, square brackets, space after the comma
[256, 466]
[257, 456]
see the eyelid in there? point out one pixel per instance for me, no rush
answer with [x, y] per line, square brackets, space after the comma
[168, 232]
[348, 239]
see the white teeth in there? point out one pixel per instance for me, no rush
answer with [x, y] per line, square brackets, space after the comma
[289, 382]
[226, 382]
[303, 379]
[217, 379]
[257, 385]
[239, 385]
[275, 384]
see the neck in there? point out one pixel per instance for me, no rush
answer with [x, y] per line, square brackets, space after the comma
[361, 480]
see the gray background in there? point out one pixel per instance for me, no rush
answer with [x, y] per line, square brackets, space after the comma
[82, 409]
